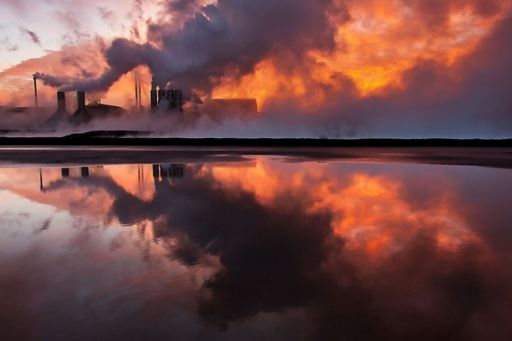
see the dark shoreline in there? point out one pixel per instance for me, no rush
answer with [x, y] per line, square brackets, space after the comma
[121, 147]
[126, 138]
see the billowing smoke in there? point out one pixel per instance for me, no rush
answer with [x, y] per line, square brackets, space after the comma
[378, 85]
[231, 35]
[53, 81]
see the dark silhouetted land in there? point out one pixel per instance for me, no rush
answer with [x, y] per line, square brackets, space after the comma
[131, 138]
[119, 147]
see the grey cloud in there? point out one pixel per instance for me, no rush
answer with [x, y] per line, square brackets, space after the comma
[32, 35]
[230, 34]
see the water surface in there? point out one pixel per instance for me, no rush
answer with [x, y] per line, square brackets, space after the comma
[252, 247]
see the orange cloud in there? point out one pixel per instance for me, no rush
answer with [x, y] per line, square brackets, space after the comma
[379, 43]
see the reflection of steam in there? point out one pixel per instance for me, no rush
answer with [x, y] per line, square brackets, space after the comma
[278, 256]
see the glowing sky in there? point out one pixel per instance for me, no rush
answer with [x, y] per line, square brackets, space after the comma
[373, 242]
[355, 62]
[60, 23]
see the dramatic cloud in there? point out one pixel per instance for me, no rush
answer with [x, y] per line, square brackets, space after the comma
[327, 68]
[229, 34]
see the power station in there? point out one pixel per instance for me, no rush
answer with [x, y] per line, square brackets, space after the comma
[83, 114]
[163, 102]
[166, 99]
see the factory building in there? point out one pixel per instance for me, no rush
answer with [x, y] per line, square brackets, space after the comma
[86, 113]
[82, 172]
[61, 116]
[163, 100]
[83, 114]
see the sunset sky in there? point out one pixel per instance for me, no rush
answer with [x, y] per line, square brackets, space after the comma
[440, 66]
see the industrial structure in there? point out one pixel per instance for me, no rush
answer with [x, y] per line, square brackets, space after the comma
[36, 100]
[166, 99]
[172, 171]
[61, 116]
[86, 113]
[83, 114]
[162, 101]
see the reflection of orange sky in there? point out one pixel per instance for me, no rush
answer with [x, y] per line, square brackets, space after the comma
[134, 179]
[73, 197]
[76, 199]
[368, 211]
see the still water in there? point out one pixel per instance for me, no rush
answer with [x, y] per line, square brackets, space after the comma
[255, 248]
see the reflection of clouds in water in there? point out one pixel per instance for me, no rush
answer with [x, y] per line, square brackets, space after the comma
[68, 282]
[278, 255]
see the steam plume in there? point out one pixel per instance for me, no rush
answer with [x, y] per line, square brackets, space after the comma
[230, 35]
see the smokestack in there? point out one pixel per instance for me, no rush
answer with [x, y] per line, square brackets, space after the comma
[154, 98]
[61, 101]
[156, 172]
[80, 100]
[172, 99]
[178, 99]
[161, 94]
[35, 92]
[137, 105]
[140, 95]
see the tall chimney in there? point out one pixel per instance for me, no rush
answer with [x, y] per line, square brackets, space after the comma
[172, 99]
[161, 94]
[136, 93]
[140, 96]
[80, 100]
[178, 99]
[35, 92]
[61, 101]
[154, 98]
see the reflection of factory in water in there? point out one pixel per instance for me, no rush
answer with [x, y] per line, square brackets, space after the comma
[81, 172]
[160, 171]
[73, 172]
[173, 171]
[163, 176]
